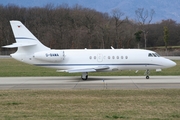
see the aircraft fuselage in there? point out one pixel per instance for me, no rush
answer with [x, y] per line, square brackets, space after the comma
[115, 59]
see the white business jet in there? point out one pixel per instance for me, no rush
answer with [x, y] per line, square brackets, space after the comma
[32, 51]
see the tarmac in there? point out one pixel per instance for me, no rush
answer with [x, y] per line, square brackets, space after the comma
[94, 82]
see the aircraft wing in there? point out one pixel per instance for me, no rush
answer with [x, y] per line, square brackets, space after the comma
[88, 69]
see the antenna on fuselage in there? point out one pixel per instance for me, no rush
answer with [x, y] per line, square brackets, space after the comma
[112, 47]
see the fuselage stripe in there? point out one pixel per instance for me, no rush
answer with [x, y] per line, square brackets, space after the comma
[95, 64]
[25, 38]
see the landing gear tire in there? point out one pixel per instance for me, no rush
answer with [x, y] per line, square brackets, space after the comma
[147, 77]
[147, 74]
[84, 76]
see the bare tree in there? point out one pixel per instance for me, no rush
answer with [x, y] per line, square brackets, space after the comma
[78, 27]
[117, 15]
[104, 27]
[166, 36]
[144, 17]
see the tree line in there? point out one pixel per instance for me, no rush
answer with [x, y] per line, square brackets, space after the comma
[76, 27]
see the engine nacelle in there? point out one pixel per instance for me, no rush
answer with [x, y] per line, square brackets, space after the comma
[50, 55]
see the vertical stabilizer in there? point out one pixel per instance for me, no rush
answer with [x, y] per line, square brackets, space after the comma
[25, 40]
[21, 33]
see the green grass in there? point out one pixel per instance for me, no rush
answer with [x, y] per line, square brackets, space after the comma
[161, 104]
[11, 67]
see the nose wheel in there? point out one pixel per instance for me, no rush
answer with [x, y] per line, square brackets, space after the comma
[147, 74]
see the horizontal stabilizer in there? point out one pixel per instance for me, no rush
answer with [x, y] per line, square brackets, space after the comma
[14, 45]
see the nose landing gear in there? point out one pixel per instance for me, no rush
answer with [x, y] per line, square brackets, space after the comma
[147, 77]
[147, 74]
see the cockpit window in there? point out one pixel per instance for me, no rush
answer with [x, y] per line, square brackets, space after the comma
[157, 54]
[150, 55]
[153, 55]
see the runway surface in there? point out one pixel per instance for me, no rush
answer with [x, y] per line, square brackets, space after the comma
[94, 82]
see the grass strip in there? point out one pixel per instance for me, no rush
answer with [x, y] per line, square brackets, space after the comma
[161, 104]
[10, 67]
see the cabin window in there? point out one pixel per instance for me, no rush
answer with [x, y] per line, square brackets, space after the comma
[90, 57]
[113, 57]
[117, 57]
[126, 57]
[121, 57]
[109, 57]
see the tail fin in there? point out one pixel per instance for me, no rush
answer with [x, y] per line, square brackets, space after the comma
[24, 38]
[21, 32]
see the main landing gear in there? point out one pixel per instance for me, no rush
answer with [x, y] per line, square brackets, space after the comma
[147, 74]
[84, 76]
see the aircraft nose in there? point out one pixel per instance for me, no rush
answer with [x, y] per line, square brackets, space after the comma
[173, 63]
[170, 63]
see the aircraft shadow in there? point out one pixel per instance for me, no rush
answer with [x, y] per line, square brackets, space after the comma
[78, 79]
